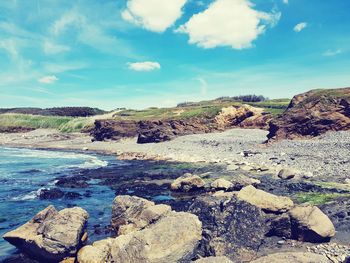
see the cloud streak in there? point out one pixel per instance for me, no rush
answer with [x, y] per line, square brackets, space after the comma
[144, 66]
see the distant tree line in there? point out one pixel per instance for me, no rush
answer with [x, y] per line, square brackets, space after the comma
[59, 111]
[241, 98]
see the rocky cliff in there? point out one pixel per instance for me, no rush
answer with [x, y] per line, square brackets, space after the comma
[313, 113]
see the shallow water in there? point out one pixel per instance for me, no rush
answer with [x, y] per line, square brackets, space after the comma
[25, 172]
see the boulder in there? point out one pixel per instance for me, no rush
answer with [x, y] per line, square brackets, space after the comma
[231, 227]
[51, 235]
[266, 201]
[310, 224]
[49, 194]
[173, 238]
[131, 213]
[240, 181]
[187, 182]
[286, 174]
[221, 184]
[214, 260]
[280, 226]
[293, 257]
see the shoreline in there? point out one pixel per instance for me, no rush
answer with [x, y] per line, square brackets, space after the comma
[325, 157]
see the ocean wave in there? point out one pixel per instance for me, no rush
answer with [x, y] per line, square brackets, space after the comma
[29, 196]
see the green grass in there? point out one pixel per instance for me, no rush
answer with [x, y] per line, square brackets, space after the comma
[318, 198]
[63, 124]
[32, 121]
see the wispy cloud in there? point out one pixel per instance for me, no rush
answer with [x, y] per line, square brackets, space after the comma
[48, 79]
[299, 27]
[144, 66]
[332, 52]
[51, 48]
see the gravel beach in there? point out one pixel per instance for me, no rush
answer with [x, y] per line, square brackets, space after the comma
[325, 157]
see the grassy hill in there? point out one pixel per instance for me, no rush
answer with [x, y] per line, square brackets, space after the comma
[205, 109]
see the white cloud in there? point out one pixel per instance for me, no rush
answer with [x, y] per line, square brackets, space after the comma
[299, 27]
[48, 79]
[51, 48]
[144, 66]
[331, 53]
[153, 15]
[285, 2]
[233, 23]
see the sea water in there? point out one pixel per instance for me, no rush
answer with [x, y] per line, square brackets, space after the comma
[25, 172]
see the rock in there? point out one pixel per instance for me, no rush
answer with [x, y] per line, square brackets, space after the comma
[240, 181]
[173, 238]
[72, 182]
[231, 227]
[266, 201]
[109, 129]
[72, 195]
[292, 257]
[313, 113]
[131, 213]
[286, 174]
[187, 182]
[51, 235]
[310, 224]
[221, 184]
[49, 194]
[214, 260]
[347, 181]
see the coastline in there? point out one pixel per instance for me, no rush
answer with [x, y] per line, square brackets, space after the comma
[324, 157]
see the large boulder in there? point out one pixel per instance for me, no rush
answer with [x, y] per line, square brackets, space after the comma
[131, 213]
[231, 227]
[293, 257]
[51, 235]
[286, 174]
[172, 238]
[310, 224]
[313, 113]
[187, 182]
[266, 201]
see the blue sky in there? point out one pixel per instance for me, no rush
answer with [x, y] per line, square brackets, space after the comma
[141, 53]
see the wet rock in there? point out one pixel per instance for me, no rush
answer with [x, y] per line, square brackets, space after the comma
[221, 184]
[72, 195]
[187, 182]
[240, 181]
[173, 238]
[214, 260]
[310, 224]
[266, 201]
[131, 213]
[286, 174]
[71, 182]
[49, 194]
[292, 257]
[50, 235]
[231, 227]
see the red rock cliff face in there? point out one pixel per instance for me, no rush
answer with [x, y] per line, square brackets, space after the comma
[313, 113]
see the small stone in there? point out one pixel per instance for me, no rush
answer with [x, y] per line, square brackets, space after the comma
[281, 242]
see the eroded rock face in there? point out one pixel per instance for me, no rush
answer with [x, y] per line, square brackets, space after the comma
[172, 237]
[165, 130]
[310, 224]
[187, 182]
[266, 201]
[313, 113]
[114, 129]
[293, 257]
[231, 227]
[51, 236]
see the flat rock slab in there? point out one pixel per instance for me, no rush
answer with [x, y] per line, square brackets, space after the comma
[293, 257]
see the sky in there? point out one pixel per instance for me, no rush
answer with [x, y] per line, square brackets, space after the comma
[142, 53]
